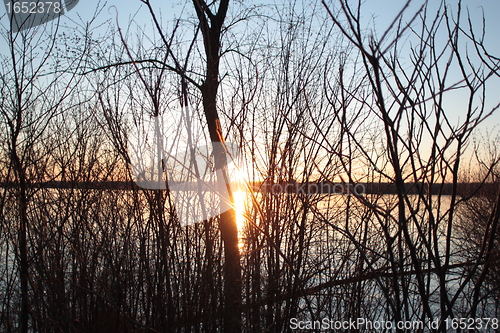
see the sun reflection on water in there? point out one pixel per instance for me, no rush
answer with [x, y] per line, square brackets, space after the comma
[239, 207]
[240, 196]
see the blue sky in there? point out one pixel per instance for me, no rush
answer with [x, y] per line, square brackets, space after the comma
[376, 14]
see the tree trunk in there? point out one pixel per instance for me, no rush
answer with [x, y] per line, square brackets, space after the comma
[22, 240]
[211, 27]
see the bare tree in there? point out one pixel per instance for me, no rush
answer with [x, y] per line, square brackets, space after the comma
[35, 87]
[211, 19]
[408, 100]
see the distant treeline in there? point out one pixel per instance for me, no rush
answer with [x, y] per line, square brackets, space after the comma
[463, 189]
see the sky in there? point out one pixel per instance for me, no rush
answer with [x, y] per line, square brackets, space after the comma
[378, 12]
[376, 15]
